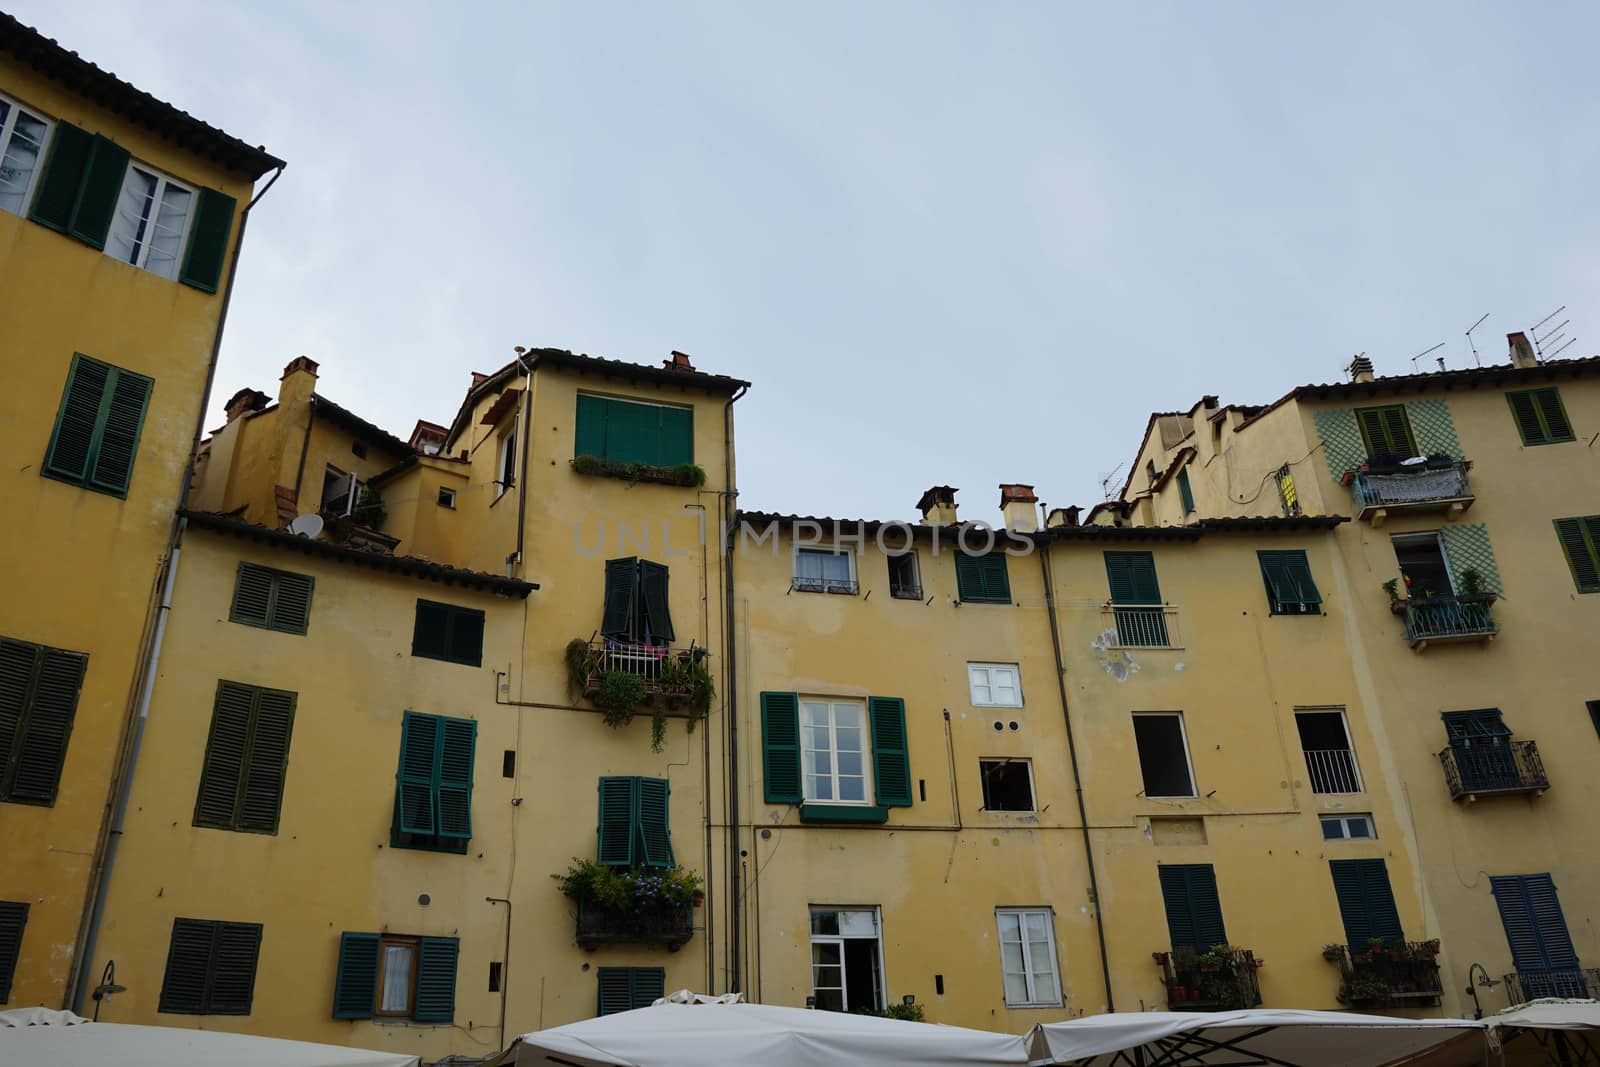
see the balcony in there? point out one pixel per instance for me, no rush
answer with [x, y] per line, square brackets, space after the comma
[1223, 979]
[1423, 486]
[1449, 619]
[665, 924]
[1402, 974]
[1143, 625]
[1488, 769]
[677, 676]
[1332, 770]
[1525, 985]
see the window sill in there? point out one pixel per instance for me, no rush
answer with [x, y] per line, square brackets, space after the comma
[906, 594]
[844, 813]
[1044, 1005]
[688, 475]
[984, 600]
[120, 494]
[504, 489]
[837, 588]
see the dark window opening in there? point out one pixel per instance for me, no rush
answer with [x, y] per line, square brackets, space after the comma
[1594, 715]
[508, 460]
[1163, 755]
[1007, 785]
[904, 580]
[447, 498]
[1330, 762]
[445, 631]
[1423, 570]
[358, 449]
[938, 984]
[341, 492]
[494, 977]
[508, 764]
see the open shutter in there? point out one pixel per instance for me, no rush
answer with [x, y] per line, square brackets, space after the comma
[103, 175]
[16, 678]
[355, 988]
[615, 990]
[1194, 910]
[121, 420]
[1366, 902]
[780, 748]
[1280, 590]
[620, 609]
[436, 980]
[208, 240]
[1580, 540]
[62, 177]
[1397, 430]
[13, 919]
[1185, 492]
[458, 739]
[222, 772]
[44, 740]
[184, 984]
[677, 436]
[419, 745]
[233, 968]
[891, 762]
[655, 833]
[1535, 927]
[262, 788]
[1175, 897]
[291, 608]
[1298, 570]
[252, 595]
[618, 801]
[653, 586]
[72, 442]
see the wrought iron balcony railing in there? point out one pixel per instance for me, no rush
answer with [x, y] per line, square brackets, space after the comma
[1210, 981]
[1442, 619]
[843, 586]
[666, 671]
[669, 925]
[1397, 974]
[1484, 768]
[1332, 770]
[1144, 625]
[1532, 983]
[1425, 488]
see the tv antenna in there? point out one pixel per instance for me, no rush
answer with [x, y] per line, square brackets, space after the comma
[1424, 352]
[1545, 345]
[1476, 359]
[1107, 478]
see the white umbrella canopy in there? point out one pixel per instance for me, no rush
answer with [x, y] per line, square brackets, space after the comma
[689, 1031]
[1258, 1036]
[40, 1038]
[1550, 1013]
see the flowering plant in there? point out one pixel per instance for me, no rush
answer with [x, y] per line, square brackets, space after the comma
[625, 889]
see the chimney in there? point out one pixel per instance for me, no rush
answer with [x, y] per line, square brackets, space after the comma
[299, 381]
[1360, 369]
[938, 505]
[243, 402]
[477, 379]
[1063, 516]
[679, 361]
[1521, 351]
[1020, 507]
[301, 363]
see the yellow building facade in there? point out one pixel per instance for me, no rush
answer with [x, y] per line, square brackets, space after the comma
[120, 224]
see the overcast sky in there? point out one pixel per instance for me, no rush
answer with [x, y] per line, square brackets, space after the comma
[963, 243]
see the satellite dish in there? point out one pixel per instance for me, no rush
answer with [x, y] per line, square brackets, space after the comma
[306, 525]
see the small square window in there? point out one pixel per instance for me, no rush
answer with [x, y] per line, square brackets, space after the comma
[905, 583]
[358, 449]
[447, 498]
[824, 571]
[994, 685]
[1007, 784]
[1347, 827]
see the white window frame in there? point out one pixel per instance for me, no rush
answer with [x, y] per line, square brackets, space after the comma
[839, 939]
[447, 497]
[1188, 757]
[825, 550]
[1344, 819]
[1349, 744]
[868, 797]
[916, 573]
[8, 128]
[1016, 684]
[507, 443]
[163, 179]
[352, 496]
[1022, 914]
[1033, 792]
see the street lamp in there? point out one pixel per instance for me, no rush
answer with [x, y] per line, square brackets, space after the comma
[1483, 980]
[108, 985]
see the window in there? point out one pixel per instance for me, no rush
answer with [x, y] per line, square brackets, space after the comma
[1194, 910]
[341, 492]
[834, 752]
[635, 829]
[1330, 759]
[272, 599]
[211, 968]
[1540, 416]
[1185, 492]
[635, 611]
[1536, 930]
[1423, 569]
[824, 571]
[13, 919]
[905, 577]
[151, 221]
[445, 631]
[1132, 580]
[1028, 958]
[1580, 540]
[1386, 431]
[1007, 784]
[396, 976]
[1287, 494]
[627, 431]
[1366, 902]
[22, 135]
[1594, 714]
[822, 764]
[447, 498]
[96, 435]
[994, 685]
[247, 756]
[1163, 754]
[627, 988]
[1347, 827]
[358, 449]
[38, 700]
[1150, 472]
[433, 786]
[983, 579]
[505, 463]
[1290, 590]
[846, 959]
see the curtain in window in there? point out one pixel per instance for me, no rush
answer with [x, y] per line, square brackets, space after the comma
[166, 236]
[20, 160]
[396, 978]
[822, 568]
[131, 224]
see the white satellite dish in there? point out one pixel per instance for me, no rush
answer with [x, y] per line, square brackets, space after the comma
[306, 525]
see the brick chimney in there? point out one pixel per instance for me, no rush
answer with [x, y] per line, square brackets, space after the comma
[1360, 369]
[243, 402]
[938, 505]
[1063, 516]
[298, 383]
[1020, 507]
[1521, 351]
[679, 361]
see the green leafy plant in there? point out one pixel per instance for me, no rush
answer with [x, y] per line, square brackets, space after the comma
[1392, 587]
[623, 889]
[581, 662]
[689, 474]
[1364, 989]
[602, 886]
[685, 474]
[369, 510]
[1472, 581]
[619, 694]
[1333, 952]
[910, 1013]
[590, 465]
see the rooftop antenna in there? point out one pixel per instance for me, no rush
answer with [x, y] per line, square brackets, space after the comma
[1563, 348]
[1419, 355]
[1107, 478]
[1476, 359]
[1551, 334]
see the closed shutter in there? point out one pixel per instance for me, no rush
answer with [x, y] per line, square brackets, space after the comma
[1185, 492]
[620, 611]
[252, 595]
[419, 745]
[436, 980]
[1386, 430]
[654, 831]
[39, 690]
[355, 987]
[183, 987]
[1366, 902]
[208, 240]
[677, 436]
[615, 990]
[1540, 416]
[983, 579]
[273, 599]
[590, 432]
[1535, 927]
[1580, 540]
[614, 831]
[1132, 578]
[121, 419]
[780, 748]
[13, 919]
[103, 175]
[16, 680]
[221, 773]
[633, 433]
[430, 637]
[62, 177]
[891, 761]
[653, 587]
[291, 610]
[233, 980]
[262, 790]
[649, 985]
[1194, 909]
[457, 741]
[72, 442]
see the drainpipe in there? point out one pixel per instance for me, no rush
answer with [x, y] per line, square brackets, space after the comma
[133, 728]
[505, 967]
[1077, 780]
[730, 696]
[525, 429]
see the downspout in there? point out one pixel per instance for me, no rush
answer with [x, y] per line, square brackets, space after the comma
[1072, 755]
[525, 420]
[730, 696]
[505, 968]
[105, 852]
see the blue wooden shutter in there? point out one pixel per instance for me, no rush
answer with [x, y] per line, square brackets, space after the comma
[589, 436]
[1366, 902]
[1535, 927]
[891, 760]
[1194, 909]
[436, 980]
[654, 846]
[619, 610]
[457, 740]
[614, 834]
[355, 987]
[780, 748]
[419, 746]
[13, 920]
[208, 240]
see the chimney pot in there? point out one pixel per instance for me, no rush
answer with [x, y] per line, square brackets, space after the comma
[679, 361]
[243, 402]
[938, 505]
[1360, 369]
[1020, 507]
[301, 363]
[1521, 351]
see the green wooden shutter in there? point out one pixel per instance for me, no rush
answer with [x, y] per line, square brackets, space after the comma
[619, 610]
[1554, 415]
[1580, 540]
[221, 775]
[1526, 415]
[42, 746]
[619, 798]
[466, 637]
[654, 846]
[62, 177]
[436, 980]
[103, 175]
[188, 972]
[633, 432]
[983, 579]
[649, 985]
[1366, 902]
[291, 606]
[457, 740]
[261, 791]
[1175, 897]
[13, 920]
[72, 442]
[17, 660]
[208, 240]
[1386, 429]
[1185, 492]
[252, 595]
[677, 436]
[1540, 416]
[891, 760]
[615, 986]
[233, 969]
[430, 637]
[589, 436]
[653, 590]
[419, 746]
[780, 748]
[996, 578]
[355, 987]
[1132, 578]
[121, 420]
[1194, 909]
[969, 577]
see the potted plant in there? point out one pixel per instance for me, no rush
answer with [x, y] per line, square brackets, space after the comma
[1332, 953]
[1376, 946]
[1472, 585]
[1438, 461]
[1396, 605]
[1348, 477]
